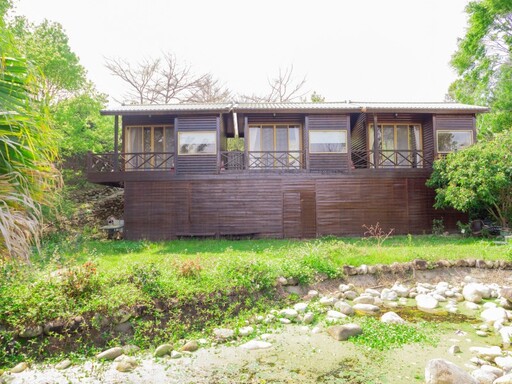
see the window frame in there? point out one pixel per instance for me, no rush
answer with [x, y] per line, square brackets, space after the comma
[380, 125]
[274, 126]
[343, 131]
[200, 132]
[152, 126]
[471, 136]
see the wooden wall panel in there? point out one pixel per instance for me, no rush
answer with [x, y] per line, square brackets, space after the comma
[281, 206]
[454, 122]
[328, 161]
[428, 139]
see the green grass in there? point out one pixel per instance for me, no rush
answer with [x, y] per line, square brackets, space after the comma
[201, 283]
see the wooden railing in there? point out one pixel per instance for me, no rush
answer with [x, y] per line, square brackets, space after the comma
[109, 162]
[262, 160]
[392, 159]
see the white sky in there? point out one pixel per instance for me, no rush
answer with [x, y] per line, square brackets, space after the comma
[392, 50]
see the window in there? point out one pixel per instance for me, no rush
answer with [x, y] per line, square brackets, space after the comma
[275, 146]
[328, 141]
[450, 141]
[197, 143]
[149, 146]
[400, 145]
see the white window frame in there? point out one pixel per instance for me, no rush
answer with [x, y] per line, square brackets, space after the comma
[344, 136]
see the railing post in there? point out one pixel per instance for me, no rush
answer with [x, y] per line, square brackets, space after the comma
[116, 143]
[375, 142]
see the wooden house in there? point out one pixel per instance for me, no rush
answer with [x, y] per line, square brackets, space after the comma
[300, 170]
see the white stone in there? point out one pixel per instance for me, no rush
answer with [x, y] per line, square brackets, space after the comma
[366, 309]
[350, 295]
[506, 379]
[506, 333]
[471, 305]
[176, 355]
[401, 290]
[313, 293]
[256, 344]
[64, 364]
[475, 292]
[454, 349]
[391, 317]
[372, 292]
[481, 333]
[426, 302]
[490, 315]
[439, 371]
[489, 368]
[316, 330]
[388, 295]
[284, 320]
[244, 331]
[300, 307]
[289, 313]
[364, 300]
[344, 307]
[110, 354]
[224, 333]
[344, 288]
[335, 314]
[487, 353]
[483, 377]
[439, 297]
[489, 305]
[328, 301]
[308, 318]
[504, 363]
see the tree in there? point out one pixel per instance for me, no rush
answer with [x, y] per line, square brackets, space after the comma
[46, 45]
[477, 178]
[79, 124]
[283, 88]
[164, 80]
[483, 62]
[317, 98]
[27, 151]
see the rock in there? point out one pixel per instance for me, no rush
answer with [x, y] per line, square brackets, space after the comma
[426, 302]
[110, 354]
[506, 333]
[494, 370]
[281, 281]
[490, 315]
[481, 333]
[349, 270]
[350, 295]
[365, 300]
[506, 379]
[344, 307]
[328, 301]
[308, 318]
[289, 313]
[483, 377]
[130, 349]
[344, 287]
[391, 317]
[420, 264]
[55, 326]
[366, 309]
[256, 344]
[372, 292]
[125, 328]
[292, 281]
[163, 350]
[192, 345]
[223, 334]
[335, 314]
[19, 368]
[312, 293]
[475, 292]
[30, 332]
[504, 363]
[506, 293]
[388, 295]
[487, 353]
[454, 349]
[439, 297]
[300, 307]
[284, 320]
[401, 290]
[362, 269]
[471, 305]
[176, 355]
[123, 316]
[439, 371]
[343, 332]
[126, 364]
[64, 364]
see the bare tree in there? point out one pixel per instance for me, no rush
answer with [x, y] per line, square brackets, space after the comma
[283, 88]
[210, 90]
[140, 78]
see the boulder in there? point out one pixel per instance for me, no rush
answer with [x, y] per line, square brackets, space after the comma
[308, 318]
[190, 346]
[487, 353]
[350, 295]
[126, 364]
[328, 301]
[439, 371]
[300, 307]
[506, 293]
[366, 309]
[163, 350]
[426, 302]
[335, 314]
[391, 317]
[364, 300]
[506, 333]
[110, 354]
[344, 307]
[483, 377]
[343, 332]
[506, 379]
[491, 315]
[289, 313]
[504, 363]
[388, 295]
[475, 292]
[401, 290]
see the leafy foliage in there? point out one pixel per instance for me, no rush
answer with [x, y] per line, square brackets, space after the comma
[483, 63]
[479, 177]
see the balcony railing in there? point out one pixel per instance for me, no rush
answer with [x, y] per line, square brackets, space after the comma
[109, 162]
[262, 160]
[393, 159]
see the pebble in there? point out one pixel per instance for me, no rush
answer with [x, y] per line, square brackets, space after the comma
[163, 350]
[64, 364]
[256, 344]
[192, 345]
[110, 354]
[19, 367]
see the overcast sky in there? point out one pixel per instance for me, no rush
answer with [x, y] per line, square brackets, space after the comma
[375, 50]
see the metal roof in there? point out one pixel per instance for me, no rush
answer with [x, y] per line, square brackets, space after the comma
[347, 106]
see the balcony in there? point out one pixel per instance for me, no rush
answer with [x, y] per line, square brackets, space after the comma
[402, 159]
[234, 161]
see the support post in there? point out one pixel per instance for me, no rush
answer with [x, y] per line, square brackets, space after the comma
[116, 143]
[376, 139]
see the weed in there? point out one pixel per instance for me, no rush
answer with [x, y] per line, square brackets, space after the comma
[79, 280]
[189, 268]
[377, 233]
[437, 227]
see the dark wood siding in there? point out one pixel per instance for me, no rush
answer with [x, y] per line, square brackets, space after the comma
[328, 161]
[453, 123]
[281, 206]
[428, 139]
[188, 164]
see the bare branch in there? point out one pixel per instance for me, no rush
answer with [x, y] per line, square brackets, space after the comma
[210, 90]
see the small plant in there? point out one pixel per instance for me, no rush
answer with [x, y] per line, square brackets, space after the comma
[377, 233]
[146, 277]
[189, 268]
[79, 280]
[437, 227]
